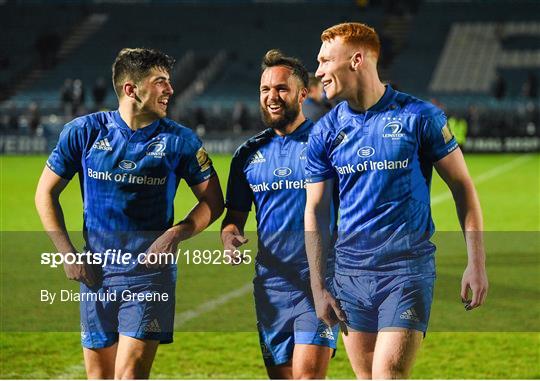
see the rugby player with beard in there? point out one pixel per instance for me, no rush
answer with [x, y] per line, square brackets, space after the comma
[268, 171]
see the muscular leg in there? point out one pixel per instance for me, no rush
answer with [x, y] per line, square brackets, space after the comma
[310, 361]
[280, 372]
[99, 363]
[360, 348]
[134, 358]
[395, 353]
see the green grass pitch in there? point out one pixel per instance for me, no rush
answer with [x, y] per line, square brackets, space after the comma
[500, 340]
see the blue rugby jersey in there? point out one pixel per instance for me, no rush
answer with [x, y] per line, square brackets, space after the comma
[128, 181]
[383, 161]
[268, 170]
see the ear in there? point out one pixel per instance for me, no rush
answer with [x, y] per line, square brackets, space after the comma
[357, 60]
[303, 94]
[129, 89]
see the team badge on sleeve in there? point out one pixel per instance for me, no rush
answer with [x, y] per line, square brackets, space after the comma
[446, 133]
[203, 159]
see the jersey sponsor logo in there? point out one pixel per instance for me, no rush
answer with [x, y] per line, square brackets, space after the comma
[410, 314]
[447, 134]
[103, 145]
[372, 165]
[203, 159]
[257, 158]
[366, 151]
[128, 165]
[126, 178]
[156, 149]
[282, 171]
[278, 185]
[393, 130]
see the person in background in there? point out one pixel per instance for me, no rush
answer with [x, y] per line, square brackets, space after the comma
[315, 106]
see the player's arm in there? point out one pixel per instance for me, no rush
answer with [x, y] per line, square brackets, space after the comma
[232, 231]
[317, 236]
[453, 170]
[48, 191]
[238, 201]
[208, 209]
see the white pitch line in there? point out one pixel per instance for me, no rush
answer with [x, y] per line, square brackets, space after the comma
[484, 177]
[183, 317]
[72, 372]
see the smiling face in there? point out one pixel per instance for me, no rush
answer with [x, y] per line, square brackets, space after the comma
[153, 93]
[280, 97]
[335, 68]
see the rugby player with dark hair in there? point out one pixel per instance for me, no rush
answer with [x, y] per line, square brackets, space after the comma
[129, 162]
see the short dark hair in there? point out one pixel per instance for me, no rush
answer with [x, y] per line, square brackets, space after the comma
[136, 63]
[275, 57]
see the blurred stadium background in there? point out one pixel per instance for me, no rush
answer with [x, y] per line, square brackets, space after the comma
[479, 60]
